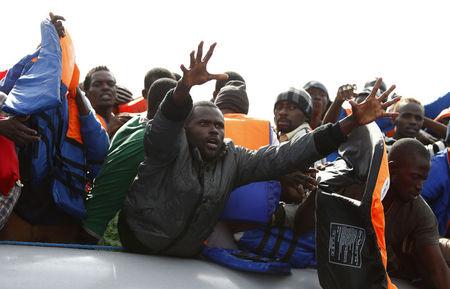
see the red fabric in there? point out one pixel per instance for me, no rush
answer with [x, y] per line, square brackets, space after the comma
[3, 74]
[9, 165]
[135, 106]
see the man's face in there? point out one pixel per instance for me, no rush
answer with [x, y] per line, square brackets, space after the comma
[288, 116]
[102, 92]
[205, 131]
[408, 176]
[319, 99]
[409, 121]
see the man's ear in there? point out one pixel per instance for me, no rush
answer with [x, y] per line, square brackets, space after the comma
[392, 167]
[144, 93]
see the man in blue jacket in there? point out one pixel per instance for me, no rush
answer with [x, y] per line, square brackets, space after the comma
[436, 189]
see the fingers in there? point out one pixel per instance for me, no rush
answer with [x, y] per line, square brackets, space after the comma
[198, 59]
[346, 91]
[386, 93]
[391, 102]
[54, 18]
[392, 115]
[26, 138]
[183, 69]
[210, 52]
[221, 76]
[192, 55]
[25, 129]
[375, 88]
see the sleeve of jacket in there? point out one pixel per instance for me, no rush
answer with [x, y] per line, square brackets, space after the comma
[434, 185]
[96, 142]
[271, 162]
[162, 134]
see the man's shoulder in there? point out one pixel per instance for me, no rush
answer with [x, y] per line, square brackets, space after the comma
[133, 130]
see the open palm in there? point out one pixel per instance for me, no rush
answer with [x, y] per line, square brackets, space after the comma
[197, 73]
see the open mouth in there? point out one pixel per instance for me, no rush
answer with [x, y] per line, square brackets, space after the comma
[212, 143]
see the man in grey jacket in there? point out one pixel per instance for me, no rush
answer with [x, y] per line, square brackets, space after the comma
[188, 171]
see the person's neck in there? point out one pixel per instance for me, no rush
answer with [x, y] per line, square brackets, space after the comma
[105, 113]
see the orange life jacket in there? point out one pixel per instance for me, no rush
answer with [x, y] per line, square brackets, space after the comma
[135, 106]
[246, 131]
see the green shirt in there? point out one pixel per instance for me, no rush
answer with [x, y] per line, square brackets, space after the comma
[117, 174]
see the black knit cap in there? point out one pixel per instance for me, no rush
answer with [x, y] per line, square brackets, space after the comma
[315, 84]
[233, 97]
[298, 96]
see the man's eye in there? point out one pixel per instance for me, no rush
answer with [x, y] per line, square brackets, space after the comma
[292, 107]
[111, 83]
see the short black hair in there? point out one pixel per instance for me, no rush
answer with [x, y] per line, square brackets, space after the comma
[406, 100]
[156, 94]
[407, 147]
[88, 79]
[156, 73]
[202, 103]
[231, 76]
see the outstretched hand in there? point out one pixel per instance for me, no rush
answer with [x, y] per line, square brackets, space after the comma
[56, 21]
[197, 73]
[373, 107]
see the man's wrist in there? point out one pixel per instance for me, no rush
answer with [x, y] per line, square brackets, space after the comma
[181, 92]
[348, 124]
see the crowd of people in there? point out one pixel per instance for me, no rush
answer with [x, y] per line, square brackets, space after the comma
[155, 172]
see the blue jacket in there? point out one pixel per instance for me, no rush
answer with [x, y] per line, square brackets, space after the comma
[436, 189]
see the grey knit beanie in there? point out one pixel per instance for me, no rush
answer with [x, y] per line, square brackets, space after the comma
[298, 96]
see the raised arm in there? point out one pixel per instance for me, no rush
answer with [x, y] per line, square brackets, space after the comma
[437, 128]
[299, 153]
[345, 92]
[162, 133]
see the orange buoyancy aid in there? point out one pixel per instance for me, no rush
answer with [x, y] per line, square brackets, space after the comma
[137, 105]
[246, 131]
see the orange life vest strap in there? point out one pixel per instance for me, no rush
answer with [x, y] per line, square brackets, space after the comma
[377, 211]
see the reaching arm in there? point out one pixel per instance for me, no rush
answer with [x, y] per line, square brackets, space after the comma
[437, 128]
[344, 93]
[160, 136]
[300, 153]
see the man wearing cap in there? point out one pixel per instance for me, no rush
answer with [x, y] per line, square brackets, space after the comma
[293, 110]
[320, 101]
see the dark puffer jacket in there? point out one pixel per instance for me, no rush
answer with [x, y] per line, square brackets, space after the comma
[177, 199]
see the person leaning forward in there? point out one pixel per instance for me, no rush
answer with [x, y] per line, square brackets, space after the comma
[188, 171]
